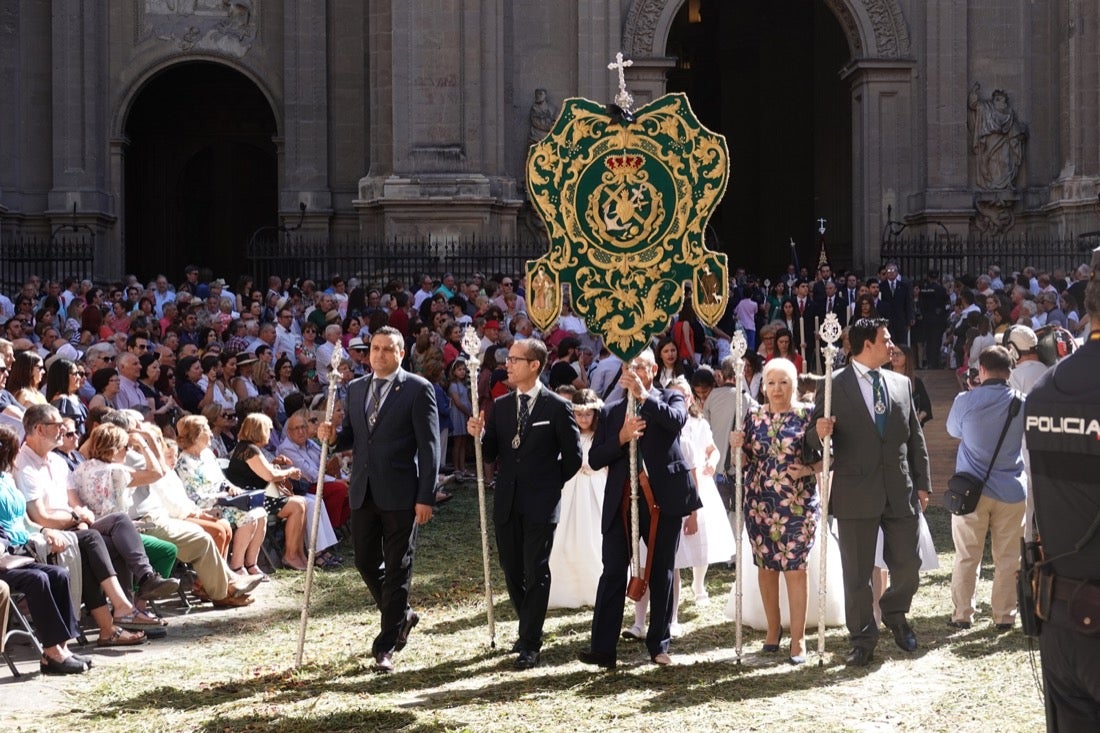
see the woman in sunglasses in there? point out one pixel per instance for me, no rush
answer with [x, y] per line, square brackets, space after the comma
[63, 381]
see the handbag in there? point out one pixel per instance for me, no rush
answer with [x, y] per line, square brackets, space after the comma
[244, 501]
[964, 489]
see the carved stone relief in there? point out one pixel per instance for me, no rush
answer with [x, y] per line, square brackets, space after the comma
[226, 26]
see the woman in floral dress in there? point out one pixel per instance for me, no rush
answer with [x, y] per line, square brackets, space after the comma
[781, 503]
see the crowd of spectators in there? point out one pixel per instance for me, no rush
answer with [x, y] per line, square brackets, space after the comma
[154, 403]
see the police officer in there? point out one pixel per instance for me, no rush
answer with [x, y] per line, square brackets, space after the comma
[1062, 421]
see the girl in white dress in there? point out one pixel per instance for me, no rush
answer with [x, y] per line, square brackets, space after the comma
[575, 564]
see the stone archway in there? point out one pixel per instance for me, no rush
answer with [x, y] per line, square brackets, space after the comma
[874, 28]
[199, 171]
[879, 75]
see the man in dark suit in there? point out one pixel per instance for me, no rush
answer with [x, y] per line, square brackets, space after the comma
[392, 424]
[805, 311]
[533, 433]
[833, 302]
[657, 424]
[880, 480]
[896, 303]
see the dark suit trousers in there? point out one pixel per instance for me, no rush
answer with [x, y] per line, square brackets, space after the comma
[384, 544]
[857, 541]
[524, 549]
[607, 621]
[47, 594]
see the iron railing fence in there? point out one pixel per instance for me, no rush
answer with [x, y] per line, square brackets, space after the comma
[381, 261]
[51, 258]
[915, 256]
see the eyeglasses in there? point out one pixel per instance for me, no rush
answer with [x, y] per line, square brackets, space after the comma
[3, 370]
[107, 358]
[229, 415]
[141, 347]
[69, 434]
[298, 427]
[314, 421]
[507, 284]
[515, 359]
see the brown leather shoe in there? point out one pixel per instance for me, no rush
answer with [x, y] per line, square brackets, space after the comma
[234, 601]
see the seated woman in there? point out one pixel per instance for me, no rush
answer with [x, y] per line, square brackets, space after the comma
[105, 483]
[98, 577]
[173, 496]
[250, 469]
[204, 483]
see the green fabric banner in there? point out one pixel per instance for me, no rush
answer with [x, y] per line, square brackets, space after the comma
[626, 205]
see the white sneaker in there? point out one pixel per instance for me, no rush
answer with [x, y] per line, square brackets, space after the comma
[675, 630]
[702, 599]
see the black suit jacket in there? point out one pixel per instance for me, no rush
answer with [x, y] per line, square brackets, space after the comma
[530, 477]
[674, 488]
[396, 462]
[897, 307]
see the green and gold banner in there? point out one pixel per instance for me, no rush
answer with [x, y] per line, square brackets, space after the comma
[626, 204]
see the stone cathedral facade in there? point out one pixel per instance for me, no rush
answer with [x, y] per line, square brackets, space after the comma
[178, 128]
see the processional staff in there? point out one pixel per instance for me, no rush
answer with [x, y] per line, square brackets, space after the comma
[471, 344]
[318, 504]
[738, 346]
[829, 333]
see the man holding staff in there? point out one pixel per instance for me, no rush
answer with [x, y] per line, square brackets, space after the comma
[656, 426]
[392, 423]
[533, 433]
[880, 479]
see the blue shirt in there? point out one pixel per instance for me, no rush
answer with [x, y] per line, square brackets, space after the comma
[13, 510]
[976, 418]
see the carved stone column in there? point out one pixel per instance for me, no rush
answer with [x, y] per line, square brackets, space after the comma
[882, 149]
[81, 149]
[305, 113]
[436, 112]
[1072, 200]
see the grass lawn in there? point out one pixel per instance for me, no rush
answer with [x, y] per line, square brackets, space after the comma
[230, 670]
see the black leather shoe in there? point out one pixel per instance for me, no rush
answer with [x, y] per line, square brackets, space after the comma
[958, 624]
[411, 620]
[600, 660]
[518, 646]
[526, 660]
[858, 657]
[1004, 627]
[904, 636]
[383, 662]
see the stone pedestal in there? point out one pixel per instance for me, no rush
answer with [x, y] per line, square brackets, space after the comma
[442, 206]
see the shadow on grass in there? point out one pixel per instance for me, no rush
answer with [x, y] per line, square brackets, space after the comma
[371, 720]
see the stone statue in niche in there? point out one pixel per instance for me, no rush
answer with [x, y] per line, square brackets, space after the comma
[997, 139]
[542, 117]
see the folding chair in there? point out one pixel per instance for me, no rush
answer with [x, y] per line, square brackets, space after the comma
[18, 626]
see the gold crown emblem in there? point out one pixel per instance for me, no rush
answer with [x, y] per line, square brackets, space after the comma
[624, 163]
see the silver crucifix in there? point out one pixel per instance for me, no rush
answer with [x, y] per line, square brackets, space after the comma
[623, 98]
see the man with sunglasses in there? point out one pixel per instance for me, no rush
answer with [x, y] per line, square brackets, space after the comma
[99, 356]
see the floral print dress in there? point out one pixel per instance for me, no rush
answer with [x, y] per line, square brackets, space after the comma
[781, 513]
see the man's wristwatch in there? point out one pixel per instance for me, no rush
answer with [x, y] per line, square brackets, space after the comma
[76, 517]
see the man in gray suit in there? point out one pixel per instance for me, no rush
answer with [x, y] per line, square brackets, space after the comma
[392, 423]
[880, 480]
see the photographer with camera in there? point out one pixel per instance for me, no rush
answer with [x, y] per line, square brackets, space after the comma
[1063, 439]
[976, 418]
